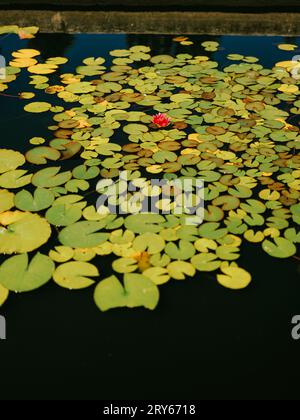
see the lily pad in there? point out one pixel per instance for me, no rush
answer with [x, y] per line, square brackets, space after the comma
[75, 275]
[22, 232]
[157, 275]
[282, 248]
[183, 251]
[178, 270]
[143, 223]
[234, 278]
[10, 160]
[205, 262]
[18, 275]
[15, 179]
[37, 107]
[50, 177]
[40, 155]
[83, 235]
[64, 215]
[150, 242]
[137, 291]
[41, 200]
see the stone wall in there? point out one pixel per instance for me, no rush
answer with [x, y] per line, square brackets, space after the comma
[152, 4]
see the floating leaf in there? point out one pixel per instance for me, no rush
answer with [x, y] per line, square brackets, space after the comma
[143, 223]
[158, 260]
[15, 179]
[75, 275]
[37, 141]
[41, 200]
[205, 262]
[39, 155]
[211, 231]
[210, 45]
[22, 232]
[178, 270]
[125, 265]
[158, 275]
[226, 252]
[204, 244]
[50, 177]
[61, 254]
[135, 129]
[292, 235]
[150, 242]
[80, 87]
[183, 251]
[254, 237]
[18, 275]
[287, 47]
[83, 172]
[234, 278]
[37, 107]
[10, 160]
[64, 215]
[84, 254]
[138, 291]
[282, 248]
[83, 235]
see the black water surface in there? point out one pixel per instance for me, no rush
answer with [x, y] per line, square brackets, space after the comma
[202, 342]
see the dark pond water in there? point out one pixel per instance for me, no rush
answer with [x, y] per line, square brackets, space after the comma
[202, 342]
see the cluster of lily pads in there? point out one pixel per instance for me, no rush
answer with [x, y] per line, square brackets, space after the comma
[228, 126]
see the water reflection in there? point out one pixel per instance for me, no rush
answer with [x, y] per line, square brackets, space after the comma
[158, 44]
[164, 44]
[57, 47]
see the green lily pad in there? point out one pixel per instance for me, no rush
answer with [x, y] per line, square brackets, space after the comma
[183, 251]
[50, 177]
[225, 252]
[205, 262]
[83, 235]
[211, 230]
[143, 223]
[137, 291]
[282, 248]
[18, 275]
[234, 278]
[83, 172]
[178, 270]
[23, 232]
[10, 160]
[158, 275]
[150, 242]
[75, 275]
[64, 215]
[40, 200]
[37, 107]
[15, 179]
[125, 265]
[40, 155]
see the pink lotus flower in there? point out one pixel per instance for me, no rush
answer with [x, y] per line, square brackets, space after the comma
[161, 120]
